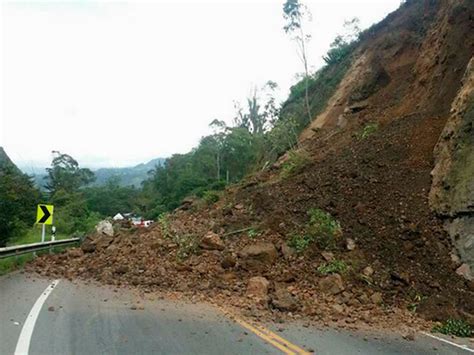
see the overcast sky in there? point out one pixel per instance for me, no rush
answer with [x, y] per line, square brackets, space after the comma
[119, 83]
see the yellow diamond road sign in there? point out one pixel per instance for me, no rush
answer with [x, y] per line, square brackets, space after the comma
[44, 214]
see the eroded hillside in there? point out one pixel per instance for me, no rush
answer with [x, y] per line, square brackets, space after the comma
[362, 173]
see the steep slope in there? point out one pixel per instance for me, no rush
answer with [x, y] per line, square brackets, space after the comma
[369, 160]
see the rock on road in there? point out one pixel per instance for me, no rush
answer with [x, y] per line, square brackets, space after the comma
[80, 318]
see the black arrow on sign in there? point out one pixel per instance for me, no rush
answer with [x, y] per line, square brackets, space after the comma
[46, 214]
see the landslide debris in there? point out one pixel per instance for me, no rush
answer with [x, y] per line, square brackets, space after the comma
[370, 155]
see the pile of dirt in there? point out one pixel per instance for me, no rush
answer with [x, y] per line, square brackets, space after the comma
[375, 182]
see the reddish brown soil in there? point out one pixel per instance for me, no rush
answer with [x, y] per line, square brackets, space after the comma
[377, 188]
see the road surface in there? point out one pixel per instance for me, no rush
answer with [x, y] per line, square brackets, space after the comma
[77, 318]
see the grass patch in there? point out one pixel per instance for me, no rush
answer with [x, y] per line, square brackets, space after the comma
[368, 130]
[456, 327]
[333, 267]
[187, 246]
[300, 242]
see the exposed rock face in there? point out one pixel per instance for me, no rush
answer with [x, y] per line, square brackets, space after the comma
[452, 191]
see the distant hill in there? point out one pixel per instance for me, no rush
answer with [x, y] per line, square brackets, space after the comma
[128, 176]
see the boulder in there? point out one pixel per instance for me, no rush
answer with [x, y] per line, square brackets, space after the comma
[258, 287]
[283, 300]
[212, 241]
[105, 227]
[287, 251]
[88, 245]
[327, 255]
[258, 256]
[332, 284]
[368, 271]
[103, 241]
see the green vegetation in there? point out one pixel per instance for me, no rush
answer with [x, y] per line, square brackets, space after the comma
[188, 245]
[253, 233]
[300, 242]
[297, 160]
[18, 199]
[457, 327]
[321, 229]
[368, 130]
[333, 267]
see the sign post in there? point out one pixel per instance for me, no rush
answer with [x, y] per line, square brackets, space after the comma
[44, 215]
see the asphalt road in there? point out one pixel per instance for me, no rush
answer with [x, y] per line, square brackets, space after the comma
[77, 318]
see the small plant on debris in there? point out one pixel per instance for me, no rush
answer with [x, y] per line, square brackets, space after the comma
[333, 267]
[253, 233]
[297, 160]
[187, 245]
[416, 300]
[164, 223]
[457, 327]
[368, 130]
[300, 242]
[322, 228]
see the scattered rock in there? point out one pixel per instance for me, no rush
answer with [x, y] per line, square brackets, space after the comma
[105, 227]
[465, 271]
[376, 298]
[287, 251]
[239, 206]
[212, 241]
[258, 287]
[327, 255]
[332, 284]
[409, 334]
[368, 271]
[51, 308]
[283, 300]
[350, 244]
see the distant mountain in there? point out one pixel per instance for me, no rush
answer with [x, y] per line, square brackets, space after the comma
[5, 160]
[127, 176]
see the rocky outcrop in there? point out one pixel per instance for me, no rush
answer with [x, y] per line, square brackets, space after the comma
[452, 191]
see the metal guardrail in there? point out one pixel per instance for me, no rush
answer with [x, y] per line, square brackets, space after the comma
[15, 250]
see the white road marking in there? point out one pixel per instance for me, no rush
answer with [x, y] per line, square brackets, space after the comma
[464, 347]
[23, 344]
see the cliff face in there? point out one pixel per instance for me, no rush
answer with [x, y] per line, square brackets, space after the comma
[452, 192]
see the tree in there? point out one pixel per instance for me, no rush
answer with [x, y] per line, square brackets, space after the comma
[295, 15]
[341, 46]
[18, 199]
[65, 174]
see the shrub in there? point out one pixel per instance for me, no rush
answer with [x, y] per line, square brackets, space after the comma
[295, 163]
[210, 197]
[164, 223]
[333, 267]
[252, 233]
[323, 228]
[368, 130]
[457, 327]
